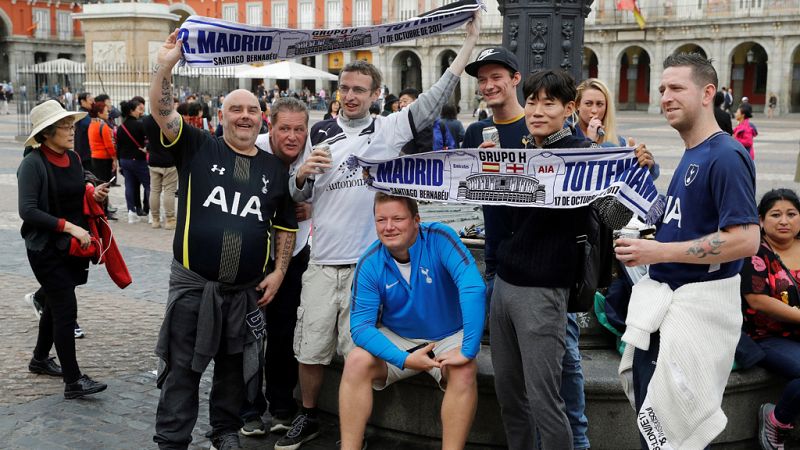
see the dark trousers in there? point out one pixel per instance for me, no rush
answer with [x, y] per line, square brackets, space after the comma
[57, 326]
[178, 404]
[280, 371]
[783, 358]
[137, 175]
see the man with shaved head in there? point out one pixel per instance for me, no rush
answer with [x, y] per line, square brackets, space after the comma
[231, 196]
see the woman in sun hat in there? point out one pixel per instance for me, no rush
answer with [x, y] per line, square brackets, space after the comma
[52, 186]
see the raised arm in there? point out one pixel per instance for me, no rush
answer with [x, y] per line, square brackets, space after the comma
[168, 120]
[429, 105]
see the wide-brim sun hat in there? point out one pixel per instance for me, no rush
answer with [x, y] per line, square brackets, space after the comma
[46, 114]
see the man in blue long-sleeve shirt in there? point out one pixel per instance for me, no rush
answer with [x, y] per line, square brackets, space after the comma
[429, 293]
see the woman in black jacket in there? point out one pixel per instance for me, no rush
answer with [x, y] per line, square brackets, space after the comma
[51, 184]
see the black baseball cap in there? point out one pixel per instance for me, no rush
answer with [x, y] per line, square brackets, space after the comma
[493, 55]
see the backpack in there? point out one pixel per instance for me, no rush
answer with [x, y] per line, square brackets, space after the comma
[435, 137]
[442, 137]
[596, 257]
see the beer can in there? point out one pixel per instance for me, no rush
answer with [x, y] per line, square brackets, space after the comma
[627, 233]
[491, 134]
[325, 148]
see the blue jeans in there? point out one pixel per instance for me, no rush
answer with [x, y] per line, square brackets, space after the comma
[783, 358]
[572, 385]
[136, 173]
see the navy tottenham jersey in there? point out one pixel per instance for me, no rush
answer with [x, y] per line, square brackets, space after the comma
[712, 188]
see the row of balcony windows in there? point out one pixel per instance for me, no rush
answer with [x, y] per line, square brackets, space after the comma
[603, 13]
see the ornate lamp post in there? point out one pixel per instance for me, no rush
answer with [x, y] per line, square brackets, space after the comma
[545, 34]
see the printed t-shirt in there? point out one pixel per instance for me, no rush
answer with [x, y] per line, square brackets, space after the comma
[228, 204]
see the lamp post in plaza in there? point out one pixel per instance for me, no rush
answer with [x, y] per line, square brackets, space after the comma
[545, 34]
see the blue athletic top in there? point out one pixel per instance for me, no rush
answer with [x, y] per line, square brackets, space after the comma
[446, 294]
[713, 188]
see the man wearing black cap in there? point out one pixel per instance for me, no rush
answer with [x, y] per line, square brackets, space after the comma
[498, 76]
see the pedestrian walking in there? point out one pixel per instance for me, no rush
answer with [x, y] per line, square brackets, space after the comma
[52, 187]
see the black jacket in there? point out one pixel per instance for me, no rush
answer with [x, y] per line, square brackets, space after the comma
[542, 252]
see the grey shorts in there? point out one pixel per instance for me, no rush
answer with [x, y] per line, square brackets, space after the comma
[395, 373]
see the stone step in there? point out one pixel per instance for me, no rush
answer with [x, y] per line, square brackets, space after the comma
[411, 407]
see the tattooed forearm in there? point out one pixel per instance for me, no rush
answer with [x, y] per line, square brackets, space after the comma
[156, 67]
[283, 252]
[706, 246]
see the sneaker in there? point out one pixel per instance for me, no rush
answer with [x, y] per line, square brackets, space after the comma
[254, 427]
[170, 223]
[45, 367]
[303, 430]
[770, 436]
[79, 334]
[84, 386]
[149, 218]
[37, 307]
[133, 217]
[155, 223]
[280, 424]
[226, 442]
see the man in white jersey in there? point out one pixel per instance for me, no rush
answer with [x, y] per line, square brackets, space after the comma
[342, 215]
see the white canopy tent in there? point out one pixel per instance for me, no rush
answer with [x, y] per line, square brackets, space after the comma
[60, 65]
[286, 70]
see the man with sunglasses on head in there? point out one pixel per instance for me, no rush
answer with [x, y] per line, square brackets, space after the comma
[342, 214]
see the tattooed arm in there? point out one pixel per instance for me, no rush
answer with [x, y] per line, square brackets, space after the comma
[163, 110]
[284, 245]
[732, 243]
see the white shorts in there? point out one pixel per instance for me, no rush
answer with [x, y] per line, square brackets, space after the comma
[395, 373]
[323, 317]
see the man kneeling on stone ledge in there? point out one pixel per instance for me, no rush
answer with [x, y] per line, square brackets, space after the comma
[430, 296]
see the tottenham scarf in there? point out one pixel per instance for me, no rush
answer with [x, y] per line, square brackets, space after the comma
[209, 42]
[547, 178]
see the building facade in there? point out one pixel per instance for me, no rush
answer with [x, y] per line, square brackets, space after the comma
[755, 44]
[33, 31]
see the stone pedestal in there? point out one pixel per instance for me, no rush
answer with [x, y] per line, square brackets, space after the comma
[121, 42]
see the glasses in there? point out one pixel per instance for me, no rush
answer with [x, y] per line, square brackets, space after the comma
[66, 127]
[358, 90]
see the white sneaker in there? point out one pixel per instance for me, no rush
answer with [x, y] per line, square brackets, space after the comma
[133, 217]
[150, 218]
